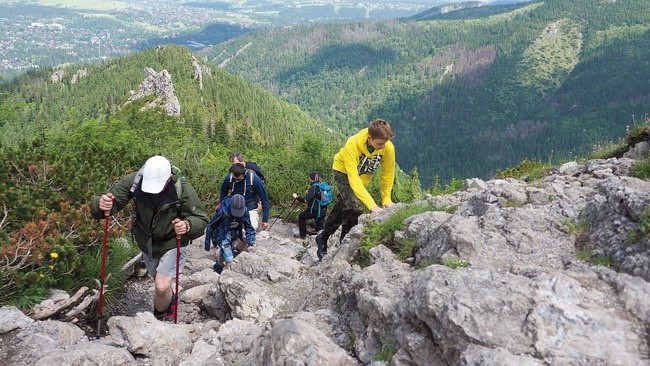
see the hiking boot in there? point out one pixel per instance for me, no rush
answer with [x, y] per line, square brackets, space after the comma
[217, 267]
[322, 246]
[298, 236]
[169, 314]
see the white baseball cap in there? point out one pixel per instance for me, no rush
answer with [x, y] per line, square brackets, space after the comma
[156, 173]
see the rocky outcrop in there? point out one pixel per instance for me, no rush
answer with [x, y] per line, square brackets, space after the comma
[526, 297]
[78, 75]
[199, 70]
[57, 76]
[158, 84]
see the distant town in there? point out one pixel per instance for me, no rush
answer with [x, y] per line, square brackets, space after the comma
[34, 36]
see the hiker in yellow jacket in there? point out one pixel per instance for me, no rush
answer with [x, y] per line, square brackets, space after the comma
[354, 166]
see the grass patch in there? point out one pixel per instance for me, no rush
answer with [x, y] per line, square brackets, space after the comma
[576, 227]
[388, 350]
[616, 150]
[587, 255]
[65, 268]
[513, 204]
[349, 346]
[641, 169]
[454, 263]
[533, 170]
[384, 232]
[609, 150]
[642, 229]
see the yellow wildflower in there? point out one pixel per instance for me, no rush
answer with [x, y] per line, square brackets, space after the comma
[51, 267]
[54, 255]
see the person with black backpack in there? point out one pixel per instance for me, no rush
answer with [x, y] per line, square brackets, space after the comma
[238, 158]
[317, 198]
[245, 182]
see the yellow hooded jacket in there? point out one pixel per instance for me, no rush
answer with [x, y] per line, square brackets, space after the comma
[359, 164]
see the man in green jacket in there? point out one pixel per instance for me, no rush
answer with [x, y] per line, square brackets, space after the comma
[166, 205]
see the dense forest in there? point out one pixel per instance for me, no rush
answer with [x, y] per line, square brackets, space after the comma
[470, 91]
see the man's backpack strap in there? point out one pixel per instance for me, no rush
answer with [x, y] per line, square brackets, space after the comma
[178, 184]
[248, 175]
[136, 180]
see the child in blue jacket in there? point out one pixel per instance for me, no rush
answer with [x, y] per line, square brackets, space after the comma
[226, 229]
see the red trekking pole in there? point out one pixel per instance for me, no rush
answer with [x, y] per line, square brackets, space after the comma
[101, 279]
[178, 260]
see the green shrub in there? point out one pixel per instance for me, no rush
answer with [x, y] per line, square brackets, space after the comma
[384, 232]
[408, 249]
[118, 252]
[437, 189]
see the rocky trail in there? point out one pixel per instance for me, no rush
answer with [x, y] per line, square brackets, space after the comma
[280, 241]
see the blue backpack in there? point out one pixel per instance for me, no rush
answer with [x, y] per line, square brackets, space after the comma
[325, 194]
[324, 198]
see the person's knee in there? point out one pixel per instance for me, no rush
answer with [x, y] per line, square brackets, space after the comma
[162, 284]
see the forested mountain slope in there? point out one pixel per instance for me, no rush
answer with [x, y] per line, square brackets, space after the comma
[468, 96]
[76, 124]
[50, 101]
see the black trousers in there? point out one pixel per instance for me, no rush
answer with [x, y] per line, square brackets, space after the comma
[307, 215]
[346, 211]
